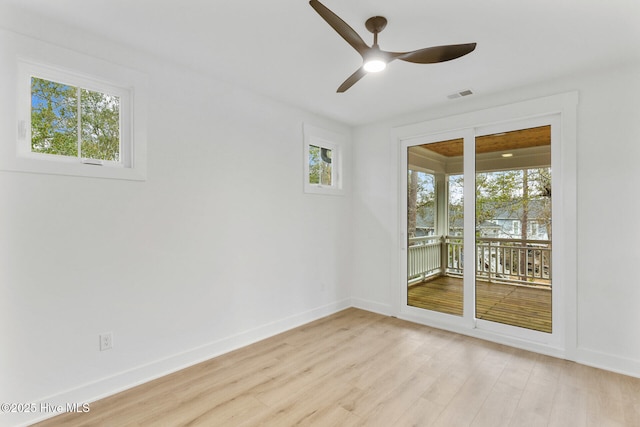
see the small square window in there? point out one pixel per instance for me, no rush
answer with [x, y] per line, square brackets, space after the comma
[322, 159]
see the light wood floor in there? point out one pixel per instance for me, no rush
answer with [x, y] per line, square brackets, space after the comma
[357, 368]
[521, 306]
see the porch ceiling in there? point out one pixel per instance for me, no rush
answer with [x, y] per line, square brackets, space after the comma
[523, 138]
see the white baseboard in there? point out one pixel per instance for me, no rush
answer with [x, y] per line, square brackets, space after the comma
[609, 362]
[375, 307]
[125, 380]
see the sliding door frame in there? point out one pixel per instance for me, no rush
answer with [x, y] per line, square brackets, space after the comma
[467, 318]
[560, 112]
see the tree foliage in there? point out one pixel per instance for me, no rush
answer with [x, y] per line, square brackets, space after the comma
[54, 119]
[100, 125]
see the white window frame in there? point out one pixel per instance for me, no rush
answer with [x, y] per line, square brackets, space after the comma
[55, 63]
[323, 138]
[516, 227]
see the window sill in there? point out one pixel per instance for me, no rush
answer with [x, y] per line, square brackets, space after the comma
[52, 167]
[323, 189]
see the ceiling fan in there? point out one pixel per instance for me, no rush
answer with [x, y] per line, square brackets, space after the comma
[375, 59]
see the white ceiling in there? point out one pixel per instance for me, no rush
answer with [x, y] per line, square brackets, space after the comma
[283, 49]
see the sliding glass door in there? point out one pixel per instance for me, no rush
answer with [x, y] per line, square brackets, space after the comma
[513, 228]
[491, 188]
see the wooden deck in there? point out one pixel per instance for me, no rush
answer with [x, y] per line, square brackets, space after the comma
[520, 306]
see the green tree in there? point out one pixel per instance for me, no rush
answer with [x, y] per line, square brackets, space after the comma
[54, 118]
[421, 200]
[494, 191]
[100, 118]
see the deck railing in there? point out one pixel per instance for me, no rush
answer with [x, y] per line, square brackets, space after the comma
[514, 260]
[526, 262]
[424, 258]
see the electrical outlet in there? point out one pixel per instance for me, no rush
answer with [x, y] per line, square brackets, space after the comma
[106, 341]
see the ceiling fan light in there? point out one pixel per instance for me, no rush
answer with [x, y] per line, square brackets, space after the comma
[374, 65]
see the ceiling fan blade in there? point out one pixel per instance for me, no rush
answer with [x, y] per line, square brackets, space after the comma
[353, 78]
[431, 55]
[341, 27]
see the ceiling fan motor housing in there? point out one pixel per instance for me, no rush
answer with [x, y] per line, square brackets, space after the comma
[376, 24]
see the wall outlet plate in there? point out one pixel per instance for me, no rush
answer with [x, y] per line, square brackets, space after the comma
[106, 341]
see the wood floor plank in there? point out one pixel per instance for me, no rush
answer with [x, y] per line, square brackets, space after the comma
[536, 400]
[500, 405]
[569, 407]
[356, 368]
[465, 405]
[396, 401]
[498, 408]
[320, 400]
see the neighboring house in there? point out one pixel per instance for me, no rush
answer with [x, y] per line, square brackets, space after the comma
[490, 229]
[425, 224]
[507, 222]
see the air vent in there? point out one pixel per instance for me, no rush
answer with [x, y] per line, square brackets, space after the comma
[460, 94]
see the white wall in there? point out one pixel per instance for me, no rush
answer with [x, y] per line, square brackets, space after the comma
[217, 248]
[608, 149]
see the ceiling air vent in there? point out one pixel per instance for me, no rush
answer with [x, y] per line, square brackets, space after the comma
[460, 94]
